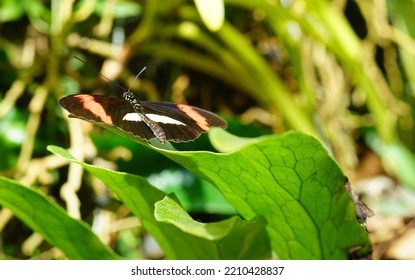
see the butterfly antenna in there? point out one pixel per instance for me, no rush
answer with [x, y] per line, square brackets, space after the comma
[109, 80]
[142, 70]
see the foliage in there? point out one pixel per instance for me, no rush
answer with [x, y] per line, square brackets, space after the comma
[288, 180]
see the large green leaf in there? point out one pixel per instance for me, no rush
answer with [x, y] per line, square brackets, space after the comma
[72, 236]
[293, 183]
[141, 197]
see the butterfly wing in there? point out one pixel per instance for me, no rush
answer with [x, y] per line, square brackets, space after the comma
[181, 123]
[105, 110]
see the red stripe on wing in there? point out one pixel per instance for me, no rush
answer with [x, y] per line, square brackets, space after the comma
[88, 103]
[200, 120]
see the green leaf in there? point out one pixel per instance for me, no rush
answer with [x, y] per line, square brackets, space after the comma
[289, 180]
[227, 234]
[140, 197]
[226, 142]
[73, 237]
[212, 13]
[293, 183]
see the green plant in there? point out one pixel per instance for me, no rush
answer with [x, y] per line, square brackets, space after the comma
[287, 189]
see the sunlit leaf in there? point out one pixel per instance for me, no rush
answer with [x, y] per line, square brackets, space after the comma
[212, 13]
[72, 236]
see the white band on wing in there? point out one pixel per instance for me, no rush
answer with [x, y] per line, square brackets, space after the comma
[134, 117]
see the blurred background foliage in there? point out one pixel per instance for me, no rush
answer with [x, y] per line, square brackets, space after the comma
[339, 70]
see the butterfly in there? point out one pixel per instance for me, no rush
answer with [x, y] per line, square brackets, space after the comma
[147, 120]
